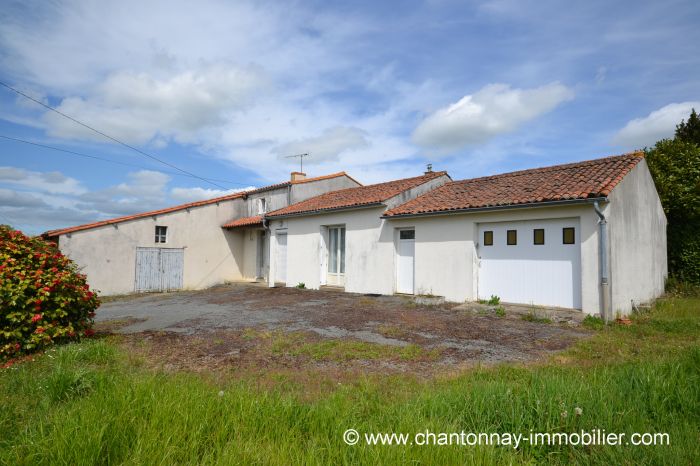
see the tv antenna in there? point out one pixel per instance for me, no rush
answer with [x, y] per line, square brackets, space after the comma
[301, 159]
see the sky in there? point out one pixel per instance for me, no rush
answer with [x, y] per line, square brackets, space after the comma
[226, 90]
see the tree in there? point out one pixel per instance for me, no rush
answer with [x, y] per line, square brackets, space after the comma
[675, 167]
[689, 131]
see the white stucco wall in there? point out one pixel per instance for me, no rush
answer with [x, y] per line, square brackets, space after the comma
[637, 231]
[107, 254]
[212, 255]
[445, 256]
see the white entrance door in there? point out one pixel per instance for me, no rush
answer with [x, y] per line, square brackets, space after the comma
[281, 264]
[159, 269]
[405, 261]
[336, 256]
[531, 262]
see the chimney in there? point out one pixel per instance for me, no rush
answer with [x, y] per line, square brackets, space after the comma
[298, 176]
[429, 168]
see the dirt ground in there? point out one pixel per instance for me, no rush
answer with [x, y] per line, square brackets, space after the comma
[247, 327]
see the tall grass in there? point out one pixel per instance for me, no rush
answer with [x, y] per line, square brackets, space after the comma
[82, 404]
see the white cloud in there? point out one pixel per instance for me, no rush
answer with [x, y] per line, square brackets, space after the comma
[495, 109]
[50, 182]
[659, 124]
[328, 146]
[138, 107]
[145, 190]
[197, 194]
[12, 198]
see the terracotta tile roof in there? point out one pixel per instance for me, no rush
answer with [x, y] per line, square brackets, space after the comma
[241, 194]
[244, 222]
[581, 180]
[354, 197]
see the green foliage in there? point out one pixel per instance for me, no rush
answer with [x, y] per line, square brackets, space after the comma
[494, 300]
[593, 322]
[689, 131]
[639, 378]
[532, 316]
[43, 297]
[301, 285]
[675, 167]
[501, 311]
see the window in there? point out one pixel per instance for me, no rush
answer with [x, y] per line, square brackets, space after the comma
[336, 250]
[261, 206]
[407, 234]
[569, 235]
[161, 234]
[538, 236]
[512, 237]
[488, 238]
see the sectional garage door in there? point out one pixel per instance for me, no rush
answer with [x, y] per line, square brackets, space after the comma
[531, 262]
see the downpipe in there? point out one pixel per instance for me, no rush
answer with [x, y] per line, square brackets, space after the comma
[603, 258]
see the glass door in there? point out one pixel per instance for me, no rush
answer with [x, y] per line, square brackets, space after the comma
[336, 256]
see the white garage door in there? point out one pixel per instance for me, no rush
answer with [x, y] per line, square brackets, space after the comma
[533, 262]
[159, 269]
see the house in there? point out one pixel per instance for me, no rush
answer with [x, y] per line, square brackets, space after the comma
[185, 246]
[588, 235]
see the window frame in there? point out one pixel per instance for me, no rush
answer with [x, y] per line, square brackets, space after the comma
[490, 241]
[262, 205]
[534, 236]
[515, 240]
[564, 230]
[161, 234]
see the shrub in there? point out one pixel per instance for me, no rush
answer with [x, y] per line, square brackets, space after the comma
[494, 301]
[43, 297]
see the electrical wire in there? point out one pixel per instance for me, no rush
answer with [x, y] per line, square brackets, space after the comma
[70, 152]
[107, 135]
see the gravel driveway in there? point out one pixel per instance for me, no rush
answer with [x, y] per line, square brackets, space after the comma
[462, 333]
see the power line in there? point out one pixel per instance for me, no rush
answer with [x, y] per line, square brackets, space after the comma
[108, 136]
[107, 160]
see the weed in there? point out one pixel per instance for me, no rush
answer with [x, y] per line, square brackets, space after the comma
[533, 317]
[500, 311]
[593, 322]
[494, 300]
[301, 285]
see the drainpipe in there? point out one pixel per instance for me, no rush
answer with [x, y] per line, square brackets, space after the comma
[603, 258]
[268, 235]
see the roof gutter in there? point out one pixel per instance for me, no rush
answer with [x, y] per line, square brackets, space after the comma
[324, 211]
[532, 205]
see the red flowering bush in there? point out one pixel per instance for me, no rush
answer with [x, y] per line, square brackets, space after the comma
[43, 297]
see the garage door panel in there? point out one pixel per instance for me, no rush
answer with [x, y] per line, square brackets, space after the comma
[547, 274]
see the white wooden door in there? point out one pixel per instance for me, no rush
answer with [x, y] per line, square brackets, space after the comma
[159, 269]
[281, 258]
[540, 268]
[405, 262]
[336, 256]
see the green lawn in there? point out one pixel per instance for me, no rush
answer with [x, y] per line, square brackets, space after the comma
[89, 403]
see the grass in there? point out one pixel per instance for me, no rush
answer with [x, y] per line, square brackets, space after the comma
[532, 316]
[87, 404]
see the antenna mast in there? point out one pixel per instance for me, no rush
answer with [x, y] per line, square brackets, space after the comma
[301, 159]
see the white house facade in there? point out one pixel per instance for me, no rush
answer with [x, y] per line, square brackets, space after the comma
[588, 236]
[185, 247]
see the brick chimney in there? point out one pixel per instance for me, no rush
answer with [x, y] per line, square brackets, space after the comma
[298, 176]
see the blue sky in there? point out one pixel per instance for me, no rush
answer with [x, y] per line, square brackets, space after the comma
[226, 90]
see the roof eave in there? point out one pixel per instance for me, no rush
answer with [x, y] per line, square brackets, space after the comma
[531, 205]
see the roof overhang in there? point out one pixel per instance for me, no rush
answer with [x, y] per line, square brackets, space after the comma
[531, 205]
